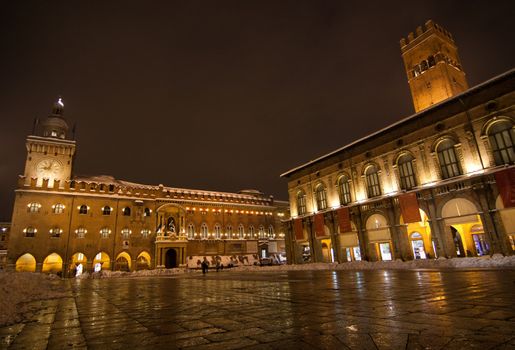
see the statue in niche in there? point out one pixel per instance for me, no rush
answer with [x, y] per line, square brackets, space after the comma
[171, 225]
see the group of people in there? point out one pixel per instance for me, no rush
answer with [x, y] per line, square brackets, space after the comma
[205, 266]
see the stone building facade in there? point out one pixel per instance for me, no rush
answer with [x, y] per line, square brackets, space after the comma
[438, 183]
[65, 224]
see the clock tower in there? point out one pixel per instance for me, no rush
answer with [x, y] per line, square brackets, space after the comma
[50, 150]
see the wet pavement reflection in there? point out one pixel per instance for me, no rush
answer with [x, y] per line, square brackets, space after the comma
[287, 310]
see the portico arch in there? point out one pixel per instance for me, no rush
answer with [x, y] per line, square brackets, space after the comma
[123, 262]
[101, 262]
[26, 263]
[53, 263]
[378, 232]
[143, 261]
[419, 236]
[463, 224]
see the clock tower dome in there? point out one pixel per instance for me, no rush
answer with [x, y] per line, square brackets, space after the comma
[50, 150]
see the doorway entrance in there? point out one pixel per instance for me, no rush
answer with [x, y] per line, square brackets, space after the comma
[171, 258]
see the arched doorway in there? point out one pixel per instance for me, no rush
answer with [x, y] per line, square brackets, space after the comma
[417, 245]
[52, 264]
[26, 263]
[101, 262]
[458, 243]
[171, 258]
[123, 262]
[419, 236]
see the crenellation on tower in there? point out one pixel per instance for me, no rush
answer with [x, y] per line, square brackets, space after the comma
[432, 65]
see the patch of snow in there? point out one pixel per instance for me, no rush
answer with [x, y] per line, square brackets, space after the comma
[19, 288]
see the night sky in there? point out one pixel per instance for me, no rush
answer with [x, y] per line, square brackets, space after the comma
[220, 95]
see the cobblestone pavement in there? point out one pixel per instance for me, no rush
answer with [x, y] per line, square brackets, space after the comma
[279, 310]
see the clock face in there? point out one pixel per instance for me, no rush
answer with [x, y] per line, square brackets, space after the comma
[48, 168]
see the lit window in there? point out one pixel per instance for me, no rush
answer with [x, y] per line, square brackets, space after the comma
[301, 203]
[106, 210]
[502, 141]
[218, 231]
[321, 197]
[241, 232]
[271, 231]
[145, 233]
[449, 164]
[30, 231]
[203, 231]
[126, 233]
[58, 208]
[33, 207]
[191, 231]
[126, 211]
[228, 231]
[83, 209]
[55, 232]
[104, 232]
[81, 232]
[406, 173]
[147, 212]
[261, 232]
[251, 232]
[373, 187]
[344, 190]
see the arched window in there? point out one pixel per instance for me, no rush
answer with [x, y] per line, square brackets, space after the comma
[145, 233]
[55, 232]
[106, 210]
[406, 173]
[301, 203]
[218, 231]
[241, 232]
[33, 207]
[261, 232]
[30, 231]
[104, 232]
[321, 197]
[83, 209]
[126, 233]
[126, 211]
[58, 208]
[204, 231]
[191, 231]
[271, 231]
[344, 190]
[502, 141]
[372, 179]
[251, 231]
[449, 164]
[147, 212]
[228, 231]
[81, 232]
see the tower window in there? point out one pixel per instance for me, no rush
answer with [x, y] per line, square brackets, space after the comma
[406, 173]
[502, 141]
[449, 164]
[372, 179]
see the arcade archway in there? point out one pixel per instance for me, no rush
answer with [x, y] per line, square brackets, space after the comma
[52, 264]
[123, 262]
[26, 263]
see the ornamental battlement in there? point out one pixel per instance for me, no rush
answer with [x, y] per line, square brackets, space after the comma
[422, 32]
[126, 189]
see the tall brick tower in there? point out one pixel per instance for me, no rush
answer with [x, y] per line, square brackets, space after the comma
[432, 65]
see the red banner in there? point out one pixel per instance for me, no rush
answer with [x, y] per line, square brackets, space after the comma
[319, 225]
[409, 207]
[344, 220]
[298, 229]
[505, 180]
